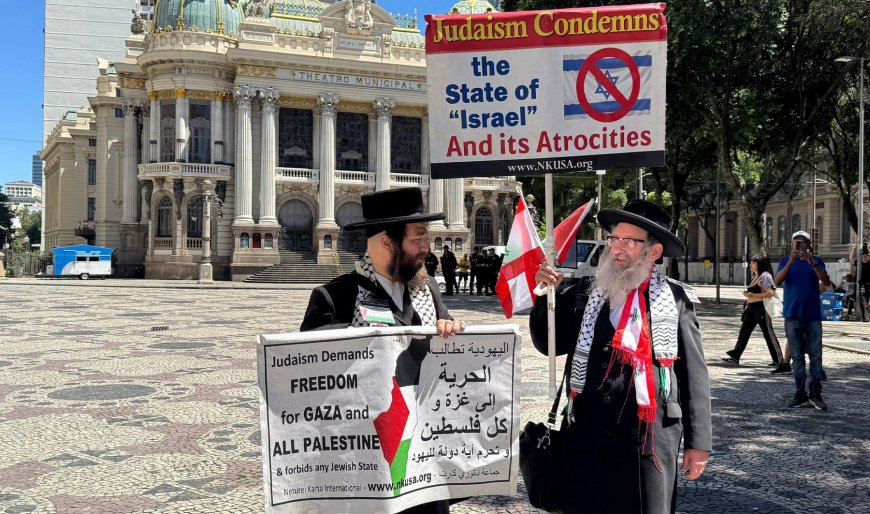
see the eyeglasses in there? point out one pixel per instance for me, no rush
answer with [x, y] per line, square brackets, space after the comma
[626, 242]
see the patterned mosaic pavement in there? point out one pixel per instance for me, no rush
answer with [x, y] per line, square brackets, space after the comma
[118, 398]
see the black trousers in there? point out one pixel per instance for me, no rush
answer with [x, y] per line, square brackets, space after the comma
[755, 315]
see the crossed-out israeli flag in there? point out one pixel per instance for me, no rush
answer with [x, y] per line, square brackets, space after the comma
[600, 99]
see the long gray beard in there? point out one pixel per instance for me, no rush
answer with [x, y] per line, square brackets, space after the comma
[616, 281]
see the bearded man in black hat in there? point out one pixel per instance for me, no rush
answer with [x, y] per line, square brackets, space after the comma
[638, 380]
[389, 286]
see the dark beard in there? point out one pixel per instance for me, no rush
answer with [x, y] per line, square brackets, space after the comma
[402, 267]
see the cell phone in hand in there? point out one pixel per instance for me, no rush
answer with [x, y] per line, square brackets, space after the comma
[799, 245]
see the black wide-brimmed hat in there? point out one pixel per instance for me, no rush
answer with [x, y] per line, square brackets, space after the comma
[393, 207]
[649, 217]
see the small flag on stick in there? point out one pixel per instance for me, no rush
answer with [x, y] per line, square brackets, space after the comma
[565, 234]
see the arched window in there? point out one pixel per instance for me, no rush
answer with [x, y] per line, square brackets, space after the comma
[483, 227]
[295, 138]
[458, 244]
[768, 231]
[352, 141]
[194, 217]
[795, 223]
[167, 130]
[405, 144]
[164, 217]
[350, 240]
[439, 244]
[199, 146]
[780, 231]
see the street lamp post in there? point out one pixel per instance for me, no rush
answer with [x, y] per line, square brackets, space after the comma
[860, 210]
[598, 234]
[205, 267]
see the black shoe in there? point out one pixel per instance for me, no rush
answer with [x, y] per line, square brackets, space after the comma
[799, 400]
[732, 360]
[773, 365]
[824, 375]
[817, 402]
[782, 368]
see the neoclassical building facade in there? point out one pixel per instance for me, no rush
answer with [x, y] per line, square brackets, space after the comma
[285, 112]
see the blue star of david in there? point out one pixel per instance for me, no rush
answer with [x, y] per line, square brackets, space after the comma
[600, 90]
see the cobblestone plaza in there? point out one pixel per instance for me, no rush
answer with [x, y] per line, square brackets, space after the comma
[134, 396]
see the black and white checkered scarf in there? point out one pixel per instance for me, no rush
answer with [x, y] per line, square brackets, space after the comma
[663, 318]
[421, 296]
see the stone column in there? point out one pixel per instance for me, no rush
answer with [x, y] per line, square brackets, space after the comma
[384, 109]
[144, 145]
[229, 131]
[436, 187]
[326, 196]
[268, 149]
[373, 144]
[217, 128]
[315, 139]
[455, 197]
[154, 129]
[129, 180]
[244, 180]
[181, 114]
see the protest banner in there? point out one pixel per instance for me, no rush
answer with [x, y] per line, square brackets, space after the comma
[381, 419]
[529, 93]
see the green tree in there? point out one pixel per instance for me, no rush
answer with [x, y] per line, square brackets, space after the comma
[31, 224]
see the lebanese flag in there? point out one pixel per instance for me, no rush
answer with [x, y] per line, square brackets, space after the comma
[564, 234]
[522, 258]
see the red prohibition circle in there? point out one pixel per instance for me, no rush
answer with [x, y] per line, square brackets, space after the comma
[590, 66]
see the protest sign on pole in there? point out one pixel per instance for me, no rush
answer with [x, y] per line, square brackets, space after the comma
[537, 92]
[381, 419]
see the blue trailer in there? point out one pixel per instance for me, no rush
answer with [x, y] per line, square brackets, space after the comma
[83, 261]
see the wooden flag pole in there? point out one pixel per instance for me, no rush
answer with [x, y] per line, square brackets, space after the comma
[551, 291]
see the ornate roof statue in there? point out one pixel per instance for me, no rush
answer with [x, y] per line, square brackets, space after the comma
[138, 24]
[358, 16]
[257, 9]
[472, 7]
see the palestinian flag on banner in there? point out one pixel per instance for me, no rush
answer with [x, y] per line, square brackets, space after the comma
[395, 428]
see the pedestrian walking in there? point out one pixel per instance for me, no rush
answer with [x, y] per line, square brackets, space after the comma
[639, 382]
[800, 273]
[754, 314]
[388, 286]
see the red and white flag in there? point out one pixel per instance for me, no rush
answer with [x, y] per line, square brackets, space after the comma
[565, 233]
[522, 257]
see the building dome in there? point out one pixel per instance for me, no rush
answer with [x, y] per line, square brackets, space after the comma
[471, 7]
[298, 8]
[215, 16]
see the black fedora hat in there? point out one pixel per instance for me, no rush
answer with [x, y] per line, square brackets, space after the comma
[393, 207]
[649, 217]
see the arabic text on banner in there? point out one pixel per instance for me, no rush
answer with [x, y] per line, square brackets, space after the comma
[382, 419]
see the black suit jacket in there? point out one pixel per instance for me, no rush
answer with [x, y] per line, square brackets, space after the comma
[332, 305]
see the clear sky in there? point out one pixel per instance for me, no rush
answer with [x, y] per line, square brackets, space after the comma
[21, 51]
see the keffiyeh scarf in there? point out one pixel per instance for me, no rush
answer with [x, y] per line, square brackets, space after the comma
[421, 296]
[632, 343]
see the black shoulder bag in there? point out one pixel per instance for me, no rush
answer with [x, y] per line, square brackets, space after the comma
[541, 454]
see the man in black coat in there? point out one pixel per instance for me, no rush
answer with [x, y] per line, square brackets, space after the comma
[389, 286]
[636, 369]
[448, 267]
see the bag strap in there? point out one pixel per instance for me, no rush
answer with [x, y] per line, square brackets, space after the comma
[551, 418]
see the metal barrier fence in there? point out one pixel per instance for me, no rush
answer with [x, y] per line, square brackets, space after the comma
[25, 264]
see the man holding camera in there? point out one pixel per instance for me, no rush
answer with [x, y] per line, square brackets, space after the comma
[801, 272]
